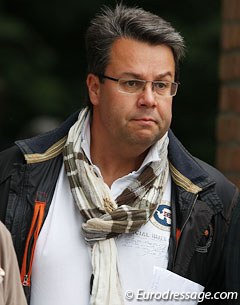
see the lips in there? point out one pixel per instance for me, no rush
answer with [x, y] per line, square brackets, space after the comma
[145, 119]
[145, 122]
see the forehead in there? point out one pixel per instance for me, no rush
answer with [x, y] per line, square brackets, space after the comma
[132, 56]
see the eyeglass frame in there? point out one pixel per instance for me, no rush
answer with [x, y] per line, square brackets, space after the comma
[142, 81]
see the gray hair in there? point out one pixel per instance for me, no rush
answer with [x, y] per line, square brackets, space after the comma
[128, 22]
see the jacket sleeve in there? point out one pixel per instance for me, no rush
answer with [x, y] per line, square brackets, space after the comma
[232, 253]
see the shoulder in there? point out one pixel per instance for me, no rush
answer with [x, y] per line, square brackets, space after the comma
[197, 170]
[12, 154]
[212, 171]
[223, 186]
[8, 158]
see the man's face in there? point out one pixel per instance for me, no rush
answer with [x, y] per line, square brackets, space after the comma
[133, 119]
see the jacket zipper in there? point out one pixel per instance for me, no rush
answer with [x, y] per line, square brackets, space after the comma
[36, 224]
[180, 233]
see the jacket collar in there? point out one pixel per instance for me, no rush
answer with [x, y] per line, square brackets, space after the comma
[185, 170]
[48, 145]
[186, 165]
[188, 174]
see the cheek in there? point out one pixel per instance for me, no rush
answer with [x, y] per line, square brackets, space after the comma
[108, 109]
[165, 110]
[113, 103]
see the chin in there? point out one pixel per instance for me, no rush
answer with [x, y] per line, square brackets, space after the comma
[145, 141]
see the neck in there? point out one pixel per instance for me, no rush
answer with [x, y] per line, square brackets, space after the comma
[113, 162]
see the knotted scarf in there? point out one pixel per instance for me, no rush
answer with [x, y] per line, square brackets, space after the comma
[105, 217]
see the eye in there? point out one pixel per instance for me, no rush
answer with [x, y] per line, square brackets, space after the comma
[161, 85]
[132, 83]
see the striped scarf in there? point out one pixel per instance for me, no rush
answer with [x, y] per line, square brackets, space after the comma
[105, 217]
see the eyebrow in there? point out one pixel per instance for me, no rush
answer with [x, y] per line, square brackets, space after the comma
[138, 76]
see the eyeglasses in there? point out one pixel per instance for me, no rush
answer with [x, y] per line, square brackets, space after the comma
[135, 86]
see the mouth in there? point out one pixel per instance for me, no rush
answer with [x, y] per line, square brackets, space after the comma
[145, 119]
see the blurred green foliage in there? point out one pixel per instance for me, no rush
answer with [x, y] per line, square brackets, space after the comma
[43, 66]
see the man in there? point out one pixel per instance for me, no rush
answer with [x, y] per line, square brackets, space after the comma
[111, 202]
[11, 291]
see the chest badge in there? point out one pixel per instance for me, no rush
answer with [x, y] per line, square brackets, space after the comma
[162, 217]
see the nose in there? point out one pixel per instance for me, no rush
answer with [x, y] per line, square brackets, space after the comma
[147, 97]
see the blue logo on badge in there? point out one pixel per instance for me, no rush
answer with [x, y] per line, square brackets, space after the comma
[163, 215]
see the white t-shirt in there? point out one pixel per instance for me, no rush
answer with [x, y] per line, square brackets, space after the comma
[62, 262]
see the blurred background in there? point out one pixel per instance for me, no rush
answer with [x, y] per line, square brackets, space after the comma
[43, 66]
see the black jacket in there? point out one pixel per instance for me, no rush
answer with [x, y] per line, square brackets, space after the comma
[202, 203]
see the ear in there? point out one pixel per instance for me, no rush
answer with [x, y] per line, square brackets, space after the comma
[93, 85]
